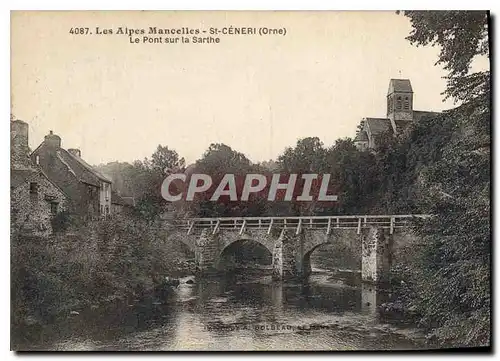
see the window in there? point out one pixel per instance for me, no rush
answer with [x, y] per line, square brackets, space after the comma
[407, 104]
[399, 105]
[106, 190]
[33, 188]
[107, 210]
[53, 207]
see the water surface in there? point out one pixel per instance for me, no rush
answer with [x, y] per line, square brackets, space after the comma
[238, 313]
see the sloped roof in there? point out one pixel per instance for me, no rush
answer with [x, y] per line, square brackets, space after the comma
[123, 201]
[20, 176]
[81, 169]
[378, 125]
[418, 114]
[400, 86]
[361, 137]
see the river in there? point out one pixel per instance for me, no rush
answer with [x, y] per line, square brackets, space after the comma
[238, 313]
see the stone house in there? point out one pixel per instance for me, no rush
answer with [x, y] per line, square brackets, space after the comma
[35, 199]
[399, 116]
[89, 191]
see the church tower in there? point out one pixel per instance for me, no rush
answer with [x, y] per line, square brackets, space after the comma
[399, 104]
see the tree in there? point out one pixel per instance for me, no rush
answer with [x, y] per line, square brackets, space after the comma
[219, 160]
[308, 155]
[452, 272]
[164, 159]
[462, 36]
[143, 179]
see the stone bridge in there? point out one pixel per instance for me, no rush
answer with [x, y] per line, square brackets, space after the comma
[290, 241]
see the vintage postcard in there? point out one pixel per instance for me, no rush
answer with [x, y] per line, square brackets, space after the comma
[250, 180]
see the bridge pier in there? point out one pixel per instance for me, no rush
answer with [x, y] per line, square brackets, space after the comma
[278, 259]
[206, 252]
[288, 256]
[375, 255]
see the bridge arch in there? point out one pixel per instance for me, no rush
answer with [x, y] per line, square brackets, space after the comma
[306, 259]
[228, 238]
[244, 250]
[316, 238]
[230, 241]
[315, 241]
[344, 243]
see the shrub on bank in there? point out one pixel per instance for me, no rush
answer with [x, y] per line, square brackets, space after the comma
[110, 259]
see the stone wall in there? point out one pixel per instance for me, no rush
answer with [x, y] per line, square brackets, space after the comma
[31, 213]
[206, 251]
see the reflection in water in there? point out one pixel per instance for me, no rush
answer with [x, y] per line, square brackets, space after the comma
[371, 299]
[236, 314]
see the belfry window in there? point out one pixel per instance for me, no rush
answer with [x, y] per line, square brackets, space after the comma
[398, 104]
[406, 104]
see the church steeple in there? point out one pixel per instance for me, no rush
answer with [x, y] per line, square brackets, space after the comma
[399, 103]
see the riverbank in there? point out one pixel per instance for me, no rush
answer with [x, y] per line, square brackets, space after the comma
[109, 261]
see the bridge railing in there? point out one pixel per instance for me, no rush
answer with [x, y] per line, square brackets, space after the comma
[328, 223]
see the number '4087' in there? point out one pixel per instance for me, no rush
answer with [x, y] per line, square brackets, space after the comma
[79, 31]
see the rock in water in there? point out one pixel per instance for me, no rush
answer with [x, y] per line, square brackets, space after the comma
[174, 282]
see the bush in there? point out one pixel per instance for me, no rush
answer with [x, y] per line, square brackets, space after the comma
[115, 258]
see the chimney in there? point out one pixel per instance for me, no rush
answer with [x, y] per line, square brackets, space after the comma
[76, 152]
[52, 140]
[19, 144]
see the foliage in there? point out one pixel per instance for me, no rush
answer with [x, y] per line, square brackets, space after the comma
[218, 160]
[164, 159]
[451, 157]
[61, 222]
[115, 258]
[462, 36]
[143, 180]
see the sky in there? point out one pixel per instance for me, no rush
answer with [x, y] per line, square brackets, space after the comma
[117, 101]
